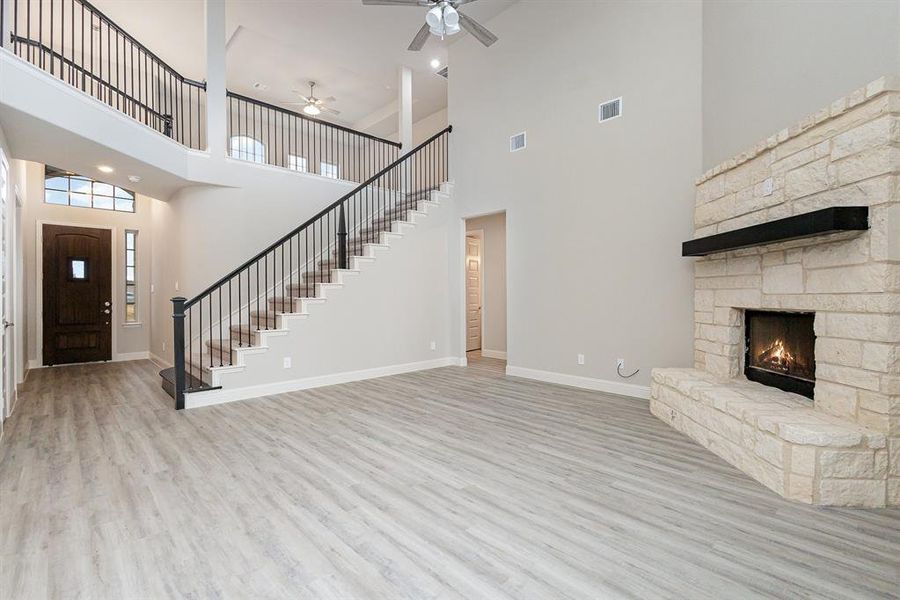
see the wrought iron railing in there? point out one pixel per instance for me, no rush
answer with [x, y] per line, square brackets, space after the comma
[211, 327]
[73, 40]
[264, 133]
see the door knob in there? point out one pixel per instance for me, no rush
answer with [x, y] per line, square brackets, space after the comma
[106, 311]
[106, 304]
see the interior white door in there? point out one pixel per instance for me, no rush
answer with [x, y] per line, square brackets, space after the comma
[473, 293]
[5, 371]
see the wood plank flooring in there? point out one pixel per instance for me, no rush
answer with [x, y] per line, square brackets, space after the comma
[452, 483]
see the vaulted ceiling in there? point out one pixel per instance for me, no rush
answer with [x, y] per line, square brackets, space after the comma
[354, 52]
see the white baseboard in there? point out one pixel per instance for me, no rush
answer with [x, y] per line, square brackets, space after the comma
[198, 399]
[501, 354]
[588, 383]
[159, 361]
[126, 356]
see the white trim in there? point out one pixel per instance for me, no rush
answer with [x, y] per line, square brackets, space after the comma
[501, 354]
[126, 356]
[587, 383]
[159, 361]
[198, 399]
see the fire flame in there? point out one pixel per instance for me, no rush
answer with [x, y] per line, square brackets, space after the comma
[777, 356]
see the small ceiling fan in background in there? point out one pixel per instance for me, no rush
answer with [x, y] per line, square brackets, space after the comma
[313, 106]
[443, 18]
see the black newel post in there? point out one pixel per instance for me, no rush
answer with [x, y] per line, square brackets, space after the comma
[342, 239]
[178, 349]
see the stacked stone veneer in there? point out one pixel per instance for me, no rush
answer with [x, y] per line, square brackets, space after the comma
[843, 449]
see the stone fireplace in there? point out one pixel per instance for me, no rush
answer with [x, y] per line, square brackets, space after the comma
[796, 376]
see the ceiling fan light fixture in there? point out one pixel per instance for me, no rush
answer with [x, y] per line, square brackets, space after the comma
[435, 17]
[312, 110]
[451, 17]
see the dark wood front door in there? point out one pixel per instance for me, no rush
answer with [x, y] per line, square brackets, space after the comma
[77, 303]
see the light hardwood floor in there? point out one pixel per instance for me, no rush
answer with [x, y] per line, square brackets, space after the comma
[452, 483]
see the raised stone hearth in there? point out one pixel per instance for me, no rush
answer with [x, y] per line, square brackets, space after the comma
[843, 448]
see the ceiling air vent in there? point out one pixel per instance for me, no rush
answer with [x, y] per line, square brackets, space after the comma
[517, 142]
[444, 72]
[611, 110]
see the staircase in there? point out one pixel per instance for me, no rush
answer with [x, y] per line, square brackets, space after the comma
[238, 316]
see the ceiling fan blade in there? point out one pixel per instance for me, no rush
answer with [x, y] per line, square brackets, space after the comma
[329, 99]
[456, 3]
[420, 39]
[330, 110]
[476, 29]
[392, 2]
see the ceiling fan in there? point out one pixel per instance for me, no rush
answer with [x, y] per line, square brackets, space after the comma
[442, 19]
[313, 106]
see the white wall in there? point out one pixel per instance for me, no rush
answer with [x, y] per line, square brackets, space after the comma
[768, 64]
[426, 127]
[129, 340]
[384, 317]
[595, 213]
[207, 231]
[493, 277]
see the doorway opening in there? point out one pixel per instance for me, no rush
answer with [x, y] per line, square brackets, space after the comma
[485, 292]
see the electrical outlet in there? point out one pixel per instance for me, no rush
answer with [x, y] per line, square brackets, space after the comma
[768, 187]
[176, 286]
[164, 346]
[620, 363]
[581, 359]
[287, 362]
[433, 345]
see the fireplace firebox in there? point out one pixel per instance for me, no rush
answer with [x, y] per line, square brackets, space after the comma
[780, 350]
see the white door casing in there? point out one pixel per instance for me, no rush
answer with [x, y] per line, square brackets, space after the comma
[473, 292]
[5, 264]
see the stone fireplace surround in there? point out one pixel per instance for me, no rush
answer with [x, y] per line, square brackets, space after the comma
[844, 448]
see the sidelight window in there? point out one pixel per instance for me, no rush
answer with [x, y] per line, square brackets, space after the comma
[130, 276]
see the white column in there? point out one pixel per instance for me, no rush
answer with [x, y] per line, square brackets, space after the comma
[6, 9]
[405, 112]
[216, 116]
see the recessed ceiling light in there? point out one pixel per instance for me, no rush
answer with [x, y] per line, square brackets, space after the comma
[134, 178]
[435, 63]
[105, 169]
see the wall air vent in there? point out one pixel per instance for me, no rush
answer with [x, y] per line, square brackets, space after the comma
[445, 72]
[611, 110]
[517, 142]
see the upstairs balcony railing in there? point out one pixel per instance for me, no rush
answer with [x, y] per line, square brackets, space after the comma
[74, 41]
[265, 133]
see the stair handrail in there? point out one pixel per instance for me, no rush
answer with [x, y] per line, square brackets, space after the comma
[313, 219]
[319, 246]
[322, 122]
